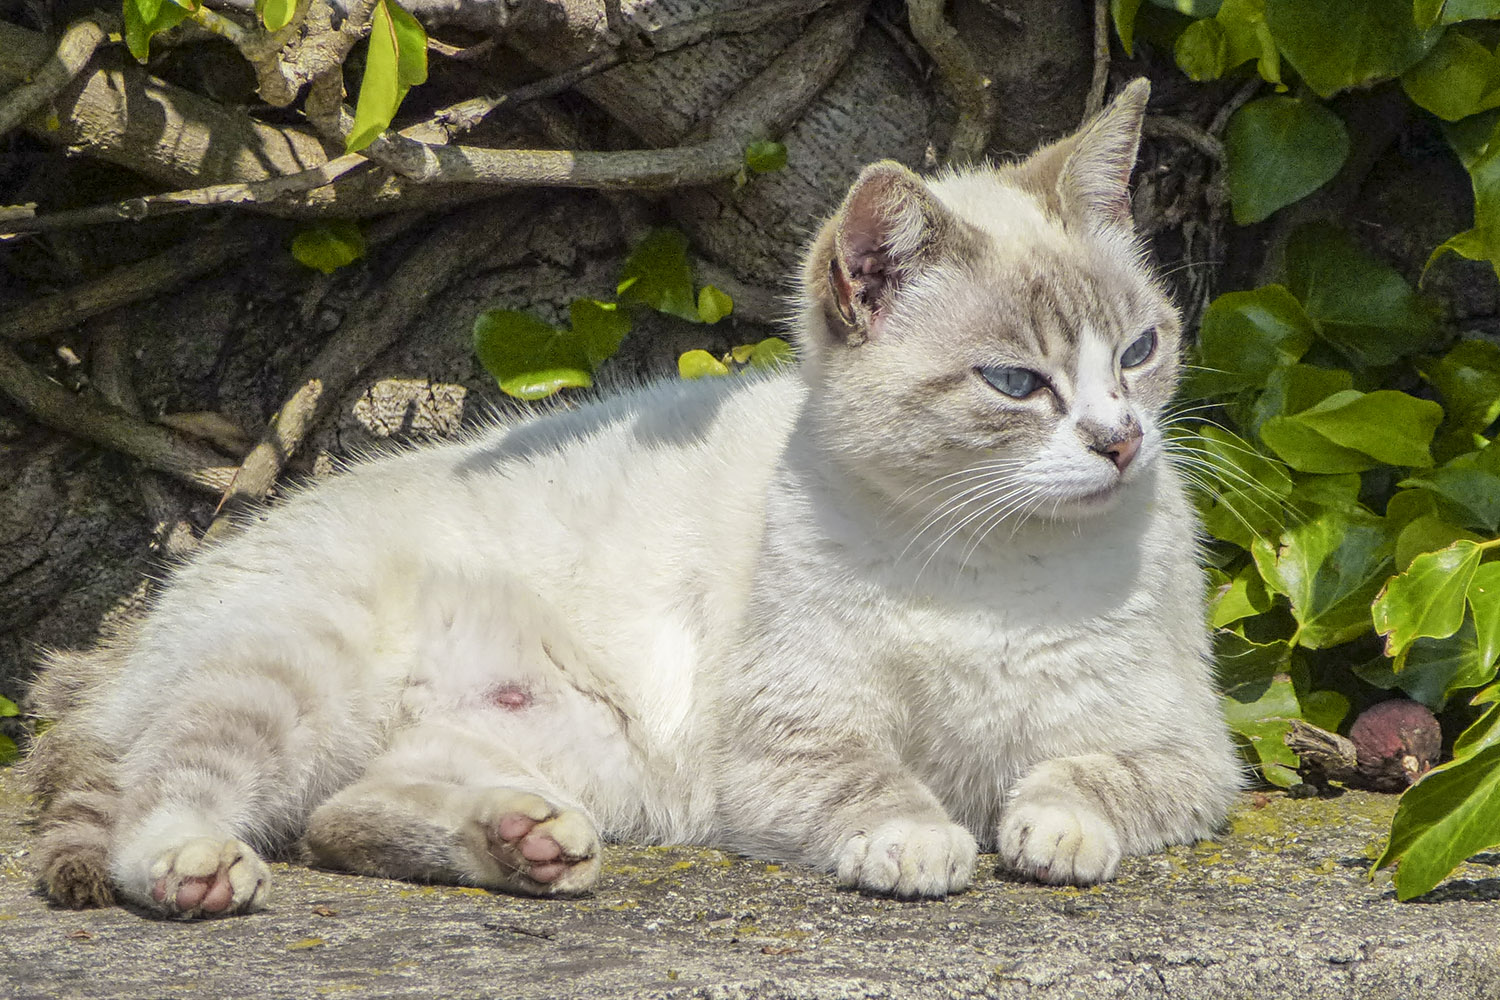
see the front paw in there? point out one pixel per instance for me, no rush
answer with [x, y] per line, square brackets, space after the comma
[1063, 843]
[209, 877]
[909, 859]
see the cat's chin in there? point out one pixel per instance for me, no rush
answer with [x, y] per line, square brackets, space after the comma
[1086, 505]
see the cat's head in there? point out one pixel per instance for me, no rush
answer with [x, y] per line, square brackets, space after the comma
[996, 326]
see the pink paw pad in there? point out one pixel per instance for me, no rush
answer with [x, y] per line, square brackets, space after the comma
[543, 859]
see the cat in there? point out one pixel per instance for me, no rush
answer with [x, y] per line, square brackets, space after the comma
[934, 590]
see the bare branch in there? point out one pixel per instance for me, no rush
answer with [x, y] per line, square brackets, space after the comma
[1176, 128]
[87, 417]
[74, 50]
[124, 285]
[967, 87]
[1100, 83]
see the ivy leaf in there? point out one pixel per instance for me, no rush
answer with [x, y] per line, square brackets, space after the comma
[1434, 669]
[1458, 78]
[1243, 597]
[1280, 149]
[657, 274]
[395, 61]
[1451, 814]
[8, 708]
[1246, 336]
[530, 359]
[700, 364]
[1295, 388]
[1123, 13]
[600, 327]
[1485, 731]
[1357, 304]
[1468, 377]
[713, 305]
[8, 749]
[765, 157]
[1202, 50]
[1330, 568]
[1473, 140]
[1351, 431]
[771, 353]
[1463, 10]
[145, 18]
[1337, 44]
[1428, 599]
[275, 14]
[1261, 714]
[1469, 485]
[1427, 533]
[1484, 603]
[328, 246]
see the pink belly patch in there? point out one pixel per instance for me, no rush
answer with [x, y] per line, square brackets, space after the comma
[513, 697]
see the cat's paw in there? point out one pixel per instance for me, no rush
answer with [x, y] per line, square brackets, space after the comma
[209, 877]
[1062, 843]
[909, 859]
[539, 849]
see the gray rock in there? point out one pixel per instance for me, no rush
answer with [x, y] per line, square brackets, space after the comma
[1280, 906]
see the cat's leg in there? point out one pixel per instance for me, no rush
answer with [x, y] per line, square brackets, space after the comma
[1071, 820]
[448, 805]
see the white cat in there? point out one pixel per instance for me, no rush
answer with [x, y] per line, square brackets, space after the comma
[933, 591]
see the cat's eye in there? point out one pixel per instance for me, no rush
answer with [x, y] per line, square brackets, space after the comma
[1139, 350]
[1018, 383]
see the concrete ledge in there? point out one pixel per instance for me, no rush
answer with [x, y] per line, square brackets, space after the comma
[1279, 907]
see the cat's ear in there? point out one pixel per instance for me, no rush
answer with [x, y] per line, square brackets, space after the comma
[1092, 167]
[887, 226]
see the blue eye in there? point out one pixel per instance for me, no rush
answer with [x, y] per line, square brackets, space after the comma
[1017, 383]
[1140, 350]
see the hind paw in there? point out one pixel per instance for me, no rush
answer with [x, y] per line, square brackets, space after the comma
[537, 848]
[206, 877]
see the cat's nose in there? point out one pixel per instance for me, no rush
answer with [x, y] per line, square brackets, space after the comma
[1122, 450]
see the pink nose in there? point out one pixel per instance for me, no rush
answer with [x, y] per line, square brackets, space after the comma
[1121, 452]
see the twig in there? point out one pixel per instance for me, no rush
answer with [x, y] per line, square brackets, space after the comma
[74, 50]
[1240, 99]
[364, 335]
[967, 87]
[124, 285]
[89, 418]
[1100, 82]
[1176, 128]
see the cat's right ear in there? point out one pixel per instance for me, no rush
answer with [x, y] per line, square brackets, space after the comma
[886, 226]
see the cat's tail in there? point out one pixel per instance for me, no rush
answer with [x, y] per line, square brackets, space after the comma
[72, 772]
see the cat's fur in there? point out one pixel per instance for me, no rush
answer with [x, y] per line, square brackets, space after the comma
[867, 616]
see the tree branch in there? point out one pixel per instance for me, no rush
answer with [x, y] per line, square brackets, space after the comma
[74, 50]
[967, 87]
[1099, 85]
[84, 416]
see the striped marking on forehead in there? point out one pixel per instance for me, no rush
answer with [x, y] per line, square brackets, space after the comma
[1058, 303]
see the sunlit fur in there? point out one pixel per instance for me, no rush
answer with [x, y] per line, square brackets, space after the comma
[867, 616]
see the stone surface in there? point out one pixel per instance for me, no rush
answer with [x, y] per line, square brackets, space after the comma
[1279, 906]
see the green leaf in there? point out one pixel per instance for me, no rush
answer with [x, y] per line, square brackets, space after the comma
[1425, 13]
[1280, 149]
[1242, 661]
[1434, 669]
[1123, 12]
[1451, 814]
[8, 750]
[1243, 597]
[1469, 488]
[657, 274]
[8, 708]
[1192, 8]
[1324, 709]
[771, 353]
[1262, 714]
[1484, 604]
[765, 157]
[1330, 568]
[328, 246]
[1458, 78]
[600, 327]
[1464, 10]
[1427, 533]
[1336, 44]
[1357, 304]
[1484, 732]
[1202, 51]
[1426, 600]
[1352, 431]
[713, 305]
[1246, 336]
[1249, 37]
[1473, 140]
[275, 14]
[700, 364]
[1468, 377]
[395, 61]
[145, 18]
[1296, 388]
[530, 359]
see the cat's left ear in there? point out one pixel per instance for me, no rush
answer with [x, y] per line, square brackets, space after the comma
[1095, 178]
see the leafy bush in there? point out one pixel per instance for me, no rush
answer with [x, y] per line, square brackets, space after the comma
[1342, 439]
